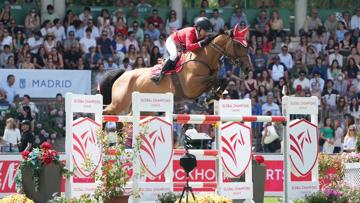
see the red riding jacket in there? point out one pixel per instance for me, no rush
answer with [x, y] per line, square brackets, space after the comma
[187, 38]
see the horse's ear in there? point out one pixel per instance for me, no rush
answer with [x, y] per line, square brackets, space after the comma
[229, 32]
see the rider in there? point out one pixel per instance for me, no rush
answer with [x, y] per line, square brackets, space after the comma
[188, 39]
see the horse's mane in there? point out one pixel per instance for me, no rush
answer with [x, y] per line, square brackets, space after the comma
[222, 32]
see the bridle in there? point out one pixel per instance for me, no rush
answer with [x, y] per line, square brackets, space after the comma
[234, 60]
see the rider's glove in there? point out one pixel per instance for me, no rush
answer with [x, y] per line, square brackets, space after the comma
[205, 41]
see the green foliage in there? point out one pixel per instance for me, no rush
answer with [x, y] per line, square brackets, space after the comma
[86, 198]
[168, 197]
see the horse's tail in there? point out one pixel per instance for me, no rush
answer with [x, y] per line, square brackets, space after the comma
[106, 84]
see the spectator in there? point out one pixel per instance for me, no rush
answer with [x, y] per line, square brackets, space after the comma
[316, 84]
[5, 14]
[156, 20]
[78, 28]
[80, 64]
[355, 20]
[346, 44]
[104, 18]
[341, 110]
[131, 41]
[126, 65]
[340, 31]
[20, 55]
[85, 16]
[311, 23]
[95, 33]
[350, 139]
[259, 61]
[139, 33]
[262, 23]
[71, 57]
[57, 111]
[276, 25]
[49, 42]
[331, 24]
[119, 48]
[262, 94]
[135, 17]
[172, 23]
[355, 55]
[27, 64]
[108, 27]
[18, 41]
[57, 58]
[217, 21]
[27, 102]
[266, 81]
[336, 56]
[10, 89]
[4, 56]
[92, 58]
[27, 138]
[161, 44]
[145, 55]
[309, 58]
[295, 72]
[321, 68]
[204, 4]
[302, 81]
[232, 90]
[326, 140]
[346, 18]
[120, 27]
[70, 41]
[329, 98]
[334, 70]
[50, 15]
[152, 31]
[109, 64]
[69, 19]
[58, 30]
[87, 41]
[250, 83]
[10, 64]
[105, 46]
[6, 40]
[319, 39]
[14, 28]
[237, 17]
[119, 14]
[339, 132]
[352, 68]
[341, 84]
[46, 28]
[12, 134]
[40, 58]
[270, 106]
[139, 63]
[353, 109]
[155, 55]
[143, 8]
[99, 74]
[270, 139]
[286, 58]
[301, 48]
[278, 70]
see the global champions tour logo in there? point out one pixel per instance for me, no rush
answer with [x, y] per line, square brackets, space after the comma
[22, 83]
[157, 145]
[85, 146]
[303, 146]
[235, 148]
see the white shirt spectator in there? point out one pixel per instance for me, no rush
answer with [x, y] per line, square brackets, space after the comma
[287, 60]
[131, 42]
[10, 92]
[355, 22]
[317, 84]
[95, 31]
[86, 43]
[218, 23]
[12, 136]
[35, 44]
[273, 108]
[339, 132]
[108, 66]
[277, 71]
[6, 41]
[338, 57]
[162, 49]
[172, 26]
[45, 31]
[305, 83]
[59, 33]
[350, 142]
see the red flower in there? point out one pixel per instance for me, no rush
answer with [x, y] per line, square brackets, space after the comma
[25, 154]
[47, 159]
[46, 146]
[259, 159]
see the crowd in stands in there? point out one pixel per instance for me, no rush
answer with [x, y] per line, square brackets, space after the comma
[322, 62]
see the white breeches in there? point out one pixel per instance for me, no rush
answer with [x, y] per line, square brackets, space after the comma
[171, 48]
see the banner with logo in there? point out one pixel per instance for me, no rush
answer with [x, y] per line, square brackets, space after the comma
[204, 172]
[47, 83]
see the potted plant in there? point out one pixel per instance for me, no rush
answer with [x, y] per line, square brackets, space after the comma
[331, 169]
[114, 176]
[168, 197]
[213, 198]
[18, 198]
[258, 177]
[40, 173]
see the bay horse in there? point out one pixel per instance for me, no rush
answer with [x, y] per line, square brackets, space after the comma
[198, 74]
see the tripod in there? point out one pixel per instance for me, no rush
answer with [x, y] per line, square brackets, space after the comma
[187, 189]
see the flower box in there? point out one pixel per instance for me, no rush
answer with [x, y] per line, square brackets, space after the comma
[352, 173]
[50, 182]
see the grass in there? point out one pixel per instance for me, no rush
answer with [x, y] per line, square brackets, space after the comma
[272, 200]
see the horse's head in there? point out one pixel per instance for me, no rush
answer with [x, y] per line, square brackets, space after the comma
[235, 46]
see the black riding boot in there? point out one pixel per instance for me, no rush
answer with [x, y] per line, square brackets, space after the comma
[169, 65]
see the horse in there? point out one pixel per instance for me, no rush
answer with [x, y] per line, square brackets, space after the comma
[200, 68]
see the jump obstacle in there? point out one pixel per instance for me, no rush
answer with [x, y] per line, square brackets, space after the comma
[232, 137]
